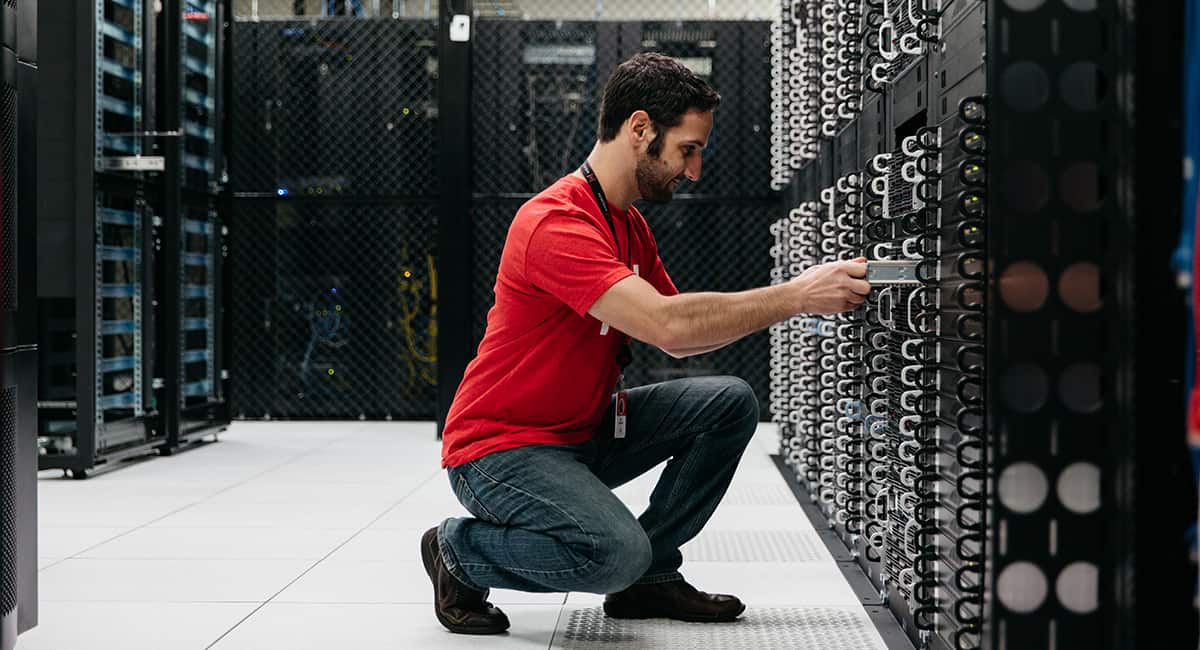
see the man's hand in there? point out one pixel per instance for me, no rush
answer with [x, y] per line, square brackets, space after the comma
[833, 288]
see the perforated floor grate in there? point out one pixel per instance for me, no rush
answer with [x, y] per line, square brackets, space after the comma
[757, 546]
[822, 628]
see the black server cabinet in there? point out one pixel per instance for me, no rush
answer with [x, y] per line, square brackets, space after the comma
[95, 397]
[333, 171]
[191, 234]
[18, 344]
[976, 436]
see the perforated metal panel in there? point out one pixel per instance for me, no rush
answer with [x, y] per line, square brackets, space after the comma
[8, 499]
[8, 199]
[825, 628]
[756, 546]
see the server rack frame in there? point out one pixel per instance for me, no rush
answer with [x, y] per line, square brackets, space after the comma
[73, 195]
[187, 423]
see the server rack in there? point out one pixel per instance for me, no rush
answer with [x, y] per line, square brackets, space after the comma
[193, 232]
[94, 256]
[968, 434]
[143, 144]
[18, 340]
[334, 218]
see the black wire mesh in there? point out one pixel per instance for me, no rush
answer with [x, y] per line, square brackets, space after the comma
[8, 202]
[334, 107]
[735, 58]
[8, 492]
[490, 226]
[535, 99]
[703, 247]
[537, 88]
[345, 108]
[334, 313]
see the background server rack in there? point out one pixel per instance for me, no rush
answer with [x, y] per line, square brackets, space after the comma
[18, 323]
[191, 58]
[966, 434]
[333, 167]
[117, 376]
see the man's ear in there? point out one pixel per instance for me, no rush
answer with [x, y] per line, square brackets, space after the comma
[641, 129]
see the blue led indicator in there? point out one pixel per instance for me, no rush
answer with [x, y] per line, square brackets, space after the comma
[283, 191]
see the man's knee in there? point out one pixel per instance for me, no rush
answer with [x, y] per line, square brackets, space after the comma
[742, 405]
[622, 556]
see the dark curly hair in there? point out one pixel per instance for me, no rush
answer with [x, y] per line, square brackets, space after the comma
[657, 84]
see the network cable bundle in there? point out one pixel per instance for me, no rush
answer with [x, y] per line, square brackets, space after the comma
[938, 427]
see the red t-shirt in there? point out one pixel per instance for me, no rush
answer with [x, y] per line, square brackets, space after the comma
[544, 373]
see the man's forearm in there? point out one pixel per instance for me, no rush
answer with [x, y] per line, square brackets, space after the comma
[703, 320]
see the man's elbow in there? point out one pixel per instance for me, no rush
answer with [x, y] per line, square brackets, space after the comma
[667, 334]
[675, 354]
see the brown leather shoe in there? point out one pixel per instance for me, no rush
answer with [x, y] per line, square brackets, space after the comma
[459, 608]
[677, 600]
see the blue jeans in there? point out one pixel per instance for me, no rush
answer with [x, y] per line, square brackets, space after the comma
[546, 520]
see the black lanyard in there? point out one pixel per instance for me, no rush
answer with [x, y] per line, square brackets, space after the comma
[625, 354]
[602, 201]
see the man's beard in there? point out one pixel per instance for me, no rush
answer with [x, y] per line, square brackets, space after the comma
[653, 185]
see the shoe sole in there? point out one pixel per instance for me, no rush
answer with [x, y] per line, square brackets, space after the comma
[687, 619]
[428, 559]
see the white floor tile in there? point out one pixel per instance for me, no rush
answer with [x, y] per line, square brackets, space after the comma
[157, 543]
[115, 486]
[126, 512]
[274, 515]
[167, 580]
[287, 626]
[396, 580]
[173, 552]
[270, 490]
[396, 479]
[65, 542]
[584, 599]
[131, 626]
[730, 517]
[382, 544]
[408, 515]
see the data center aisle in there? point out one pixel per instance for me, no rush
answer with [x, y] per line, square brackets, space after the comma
[304, 535]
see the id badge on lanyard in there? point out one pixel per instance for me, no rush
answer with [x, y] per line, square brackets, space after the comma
[620, 422]
[621, 408]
